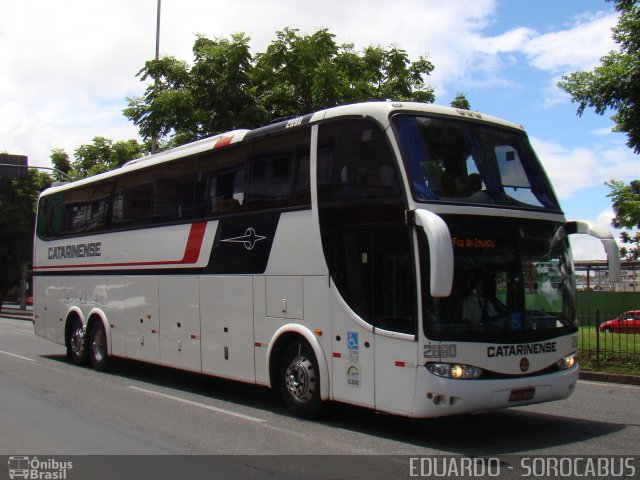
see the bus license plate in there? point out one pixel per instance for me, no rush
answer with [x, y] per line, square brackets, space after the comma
[522, 394]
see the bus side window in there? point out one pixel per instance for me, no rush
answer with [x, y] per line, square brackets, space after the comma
[221, 182]
[50, 216]
[84, 209]
[279, 171]
[133, 199]
[174, 191]
[355, 162]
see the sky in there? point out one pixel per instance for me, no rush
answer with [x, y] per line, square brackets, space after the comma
[68, 67]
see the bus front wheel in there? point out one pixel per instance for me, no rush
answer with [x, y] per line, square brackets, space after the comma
[300, 380]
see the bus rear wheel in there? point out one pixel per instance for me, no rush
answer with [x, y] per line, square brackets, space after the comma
[98, 352]
[300, 380]
[76, 343]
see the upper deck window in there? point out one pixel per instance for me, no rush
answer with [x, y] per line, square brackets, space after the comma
[467, 162]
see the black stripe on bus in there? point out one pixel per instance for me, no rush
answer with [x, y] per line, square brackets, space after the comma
[242, 246]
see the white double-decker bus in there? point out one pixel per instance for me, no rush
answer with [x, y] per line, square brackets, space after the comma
[403, 257]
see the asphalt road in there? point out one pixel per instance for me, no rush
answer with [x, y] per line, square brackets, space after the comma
[50, 407]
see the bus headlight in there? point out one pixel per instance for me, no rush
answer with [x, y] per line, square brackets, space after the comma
[567, 362]
[454, 370]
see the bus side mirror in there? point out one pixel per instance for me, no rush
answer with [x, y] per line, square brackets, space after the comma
[440, 252]
[606, 237]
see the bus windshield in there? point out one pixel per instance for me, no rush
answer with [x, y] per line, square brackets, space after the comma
[513, 281]
[461, 161]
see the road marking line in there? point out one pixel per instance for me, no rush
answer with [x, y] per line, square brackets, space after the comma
[610, 384]
[196, 404]
[17, 356]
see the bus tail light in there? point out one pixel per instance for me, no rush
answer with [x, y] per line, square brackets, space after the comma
[567, 362]
[454, 370]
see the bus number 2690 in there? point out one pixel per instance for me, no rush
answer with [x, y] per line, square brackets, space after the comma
[443, 350]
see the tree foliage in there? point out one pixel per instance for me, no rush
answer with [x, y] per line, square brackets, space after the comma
[461, 101]
[626, 206]
[614, 84]
[101, 155]
[228, 88]
[61, 164]
[18, 197]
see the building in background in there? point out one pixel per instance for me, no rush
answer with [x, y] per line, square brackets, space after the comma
[594, 275]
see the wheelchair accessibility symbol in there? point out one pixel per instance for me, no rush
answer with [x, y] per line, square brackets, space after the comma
[352, 340]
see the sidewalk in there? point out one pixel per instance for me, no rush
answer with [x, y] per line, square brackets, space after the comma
[13, 311]
[610, 378]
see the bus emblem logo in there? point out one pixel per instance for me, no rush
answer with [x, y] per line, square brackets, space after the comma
[353, 376]
[524, 364]
[249, 239]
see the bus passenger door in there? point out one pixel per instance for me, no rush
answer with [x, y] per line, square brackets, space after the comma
[394, 314]
[353, 357]
[352, 333]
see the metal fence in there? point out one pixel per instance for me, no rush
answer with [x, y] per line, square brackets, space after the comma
[609, 341]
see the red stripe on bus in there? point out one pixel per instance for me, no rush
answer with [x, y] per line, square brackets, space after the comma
[223, 142]
[191, 253]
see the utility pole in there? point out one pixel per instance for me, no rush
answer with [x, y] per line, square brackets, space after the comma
[154, 140]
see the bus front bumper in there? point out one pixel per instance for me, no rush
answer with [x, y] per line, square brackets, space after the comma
[439, 397]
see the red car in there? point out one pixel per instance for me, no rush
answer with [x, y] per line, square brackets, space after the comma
[628, 322]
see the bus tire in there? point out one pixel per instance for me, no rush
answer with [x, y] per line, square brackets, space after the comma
[77, 343]
[299, 380]
[98, 352]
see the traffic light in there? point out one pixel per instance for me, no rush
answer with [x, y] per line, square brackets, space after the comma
[13, 166]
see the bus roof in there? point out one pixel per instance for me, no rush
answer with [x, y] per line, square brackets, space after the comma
[380, 111]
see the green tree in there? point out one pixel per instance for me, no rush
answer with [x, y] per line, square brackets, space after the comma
[614, 84]
[18, 197]
[61, 163]
[461, 102]
[228, 88]
[626, 206]
[193, 102]
[102, 155]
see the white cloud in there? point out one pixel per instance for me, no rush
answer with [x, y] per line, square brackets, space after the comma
[573, 169]
[68, 66]
[577, 48]
[601, 132]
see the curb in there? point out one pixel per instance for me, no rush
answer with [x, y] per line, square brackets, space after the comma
[17, 317]
[16, 314]
[610, 378]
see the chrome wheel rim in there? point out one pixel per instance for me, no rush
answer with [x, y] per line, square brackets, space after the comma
[300, 379]
[77, 342]
[98, 345]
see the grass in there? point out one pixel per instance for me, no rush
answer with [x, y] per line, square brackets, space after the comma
[609, 352]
